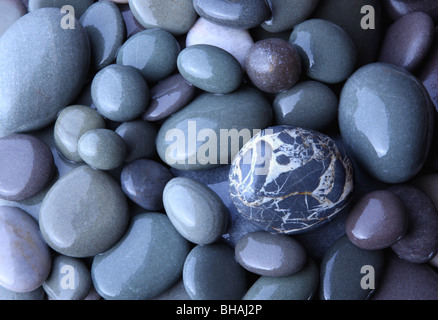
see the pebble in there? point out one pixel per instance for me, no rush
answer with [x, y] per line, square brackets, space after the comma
[210, 68]
[69, 279]
[27, 166]
[132, 25]
[10, 11]
[300, 180]
[146, 262]
[327, 51]
[377, 221]
[428, 72]
[37, 294]
[420, 243]
[288, 13]
[408, 40]
[267, 254]
[24, 257]
[243, 14]
[244, 110]
[120, 93]
[106, 31]
[72, 122]
[428, 183]
[399, 8]
[273, 65]
[177, 17]
[153, 52]
[302, 285]
[53, 72]
[143, 181]
[195, 211]
[237, 42]
[168, 96]
[71, 208]
[344, 270]
[211, 273]
[80, 6]
[308, 104]
[102, 149]
[388, 137]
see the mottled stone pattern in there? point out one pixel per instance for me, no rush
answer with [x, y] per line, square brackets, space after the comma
[290, 180]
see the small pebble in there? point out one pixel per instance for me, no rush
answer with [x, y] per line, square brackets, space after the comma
[139, 138]
[132, 25]
[428, 72]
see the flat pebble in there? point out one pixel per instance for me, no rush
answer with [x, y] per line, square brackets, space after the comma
[69, 279]
[268, 254]
[308, 104]
[195, 210]
[153, 52]
[210, 68]
[80, 6]
[388, 137]
[27, 166]
[120, 93]
[377, 221]
[10, 11]
[420, 243]
[399, 8]
[408, 40]
[71, 123]
[302, 285]
[24, 256]
[327, 51]
[301, 179]
[71, 208]
[139, 138]
[211, 273]
[143, 181]
[146, 262]
[344, 268]
[273, 65]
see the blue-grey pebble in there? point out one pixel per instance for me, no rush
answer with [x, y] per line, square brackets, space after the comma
[80, 6]
[37, 294]
[210, 68]
[302, 285]
[195, 210]
[51, 74]
[211, 273]
[146, 262]
[327, 51]
[153, 52]
[69, 279]
[120, 93]
[10, 11]
[381, 130]
[106, 31]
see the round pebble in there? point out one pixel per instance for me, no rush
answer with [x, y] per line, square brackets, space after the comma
[120, 93]
[27, 166]
[10, 11]
[273, 65]
[268, 254]
[102, 149]
[196, 211]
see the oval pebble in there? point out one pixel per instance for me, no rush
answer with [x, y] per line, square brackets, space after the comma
[147, 261]
[327, 51]
[211, 273]
[27, 166]
[301, 179]
[377, 221]
[24, 256]
[268, 254]
[273, 65]
[399, 8]
[10, 11]
[210, 68]
[143, 181]
[71, 208]
[195, 210]
[408, 40]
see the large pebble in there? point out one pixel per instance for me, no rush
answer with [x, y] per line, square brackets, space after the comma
[399, 8]
[388, 137]
[211, 273]
[147, 261]
[210, 68]
[27, 166]
[10, 11]
[24, 256]
[80, 6]
[191, 138]
[84, 213]
[195, 210]
[48, 77]
[268, 254]
[290, 180]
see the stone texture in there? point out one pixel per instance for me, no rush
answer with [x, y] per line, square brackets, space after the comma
[80, 6]
[10, 11]
[398, 8]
